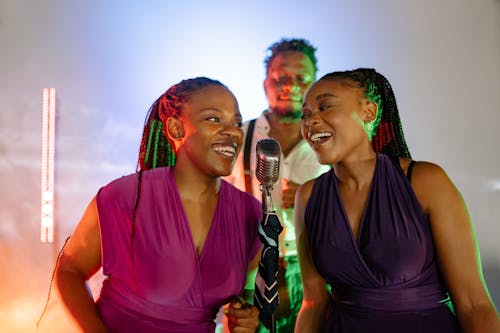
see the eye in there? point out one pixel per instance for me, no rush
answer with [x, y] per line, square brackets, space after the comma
[282, 80]
[303, 79]
[323, 107]
[239, 124]
[305, 115]
[213, 119]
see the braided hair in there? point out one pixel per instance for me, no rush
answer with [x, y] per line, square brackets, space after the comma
[386, 134]
[293, 44]
[156, 150]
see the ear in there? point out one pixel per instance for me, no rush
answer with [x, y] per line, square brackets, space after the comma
[265, 84]
[370, 112]
[174, 129]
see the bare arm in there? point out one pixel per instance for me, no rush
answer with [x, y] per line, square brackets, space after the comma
[457, 248]
[315, 299]
[240, 314]
[248, 290]
[80, 260]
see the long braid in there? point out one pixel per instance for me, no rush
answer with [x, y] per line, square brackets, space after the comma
[132, 227]
[155, 149]
[387, 136]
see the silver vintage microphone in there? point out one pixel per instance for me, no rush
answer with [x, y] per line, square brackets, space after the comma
[268, 153]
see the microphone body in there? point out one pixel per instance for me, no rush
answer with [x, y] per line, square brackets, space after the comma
[268, 153]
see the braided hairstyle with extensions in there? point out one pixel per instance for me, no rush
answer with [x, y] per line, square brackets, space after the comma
[385, 131]
[156, 150]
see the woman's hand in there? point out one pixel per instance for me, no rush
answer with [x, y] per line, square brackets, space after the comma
[242, 317]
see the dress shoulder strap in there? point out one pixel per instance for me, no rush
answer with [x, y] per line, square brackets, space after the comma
[395, 160]
[246, 156]
[410, 169]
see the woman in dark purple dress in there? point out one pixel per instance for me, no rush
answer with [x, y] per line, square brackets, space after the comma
[389, 236]
[175, 242]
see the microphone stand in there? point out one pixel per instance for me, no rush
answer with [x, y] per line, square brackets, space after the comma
[268, 152]
[267, 207]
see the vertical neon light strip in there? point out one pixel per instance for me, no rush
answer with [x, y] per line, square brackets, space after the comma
[48, 159]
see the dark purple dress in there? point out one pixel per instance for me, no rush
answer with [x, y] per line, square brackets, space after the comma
[388, 279]
[166, 286]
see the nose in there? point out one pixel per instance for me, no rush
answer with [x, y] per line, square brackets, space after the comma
[234, 132]
[312, 120]
[291, 85]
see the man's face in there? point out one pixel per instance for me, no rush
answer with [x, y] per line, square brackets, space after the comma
[288, 77]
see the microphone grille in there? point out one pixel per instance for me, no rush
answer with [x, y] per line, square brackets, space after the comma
[268, 153]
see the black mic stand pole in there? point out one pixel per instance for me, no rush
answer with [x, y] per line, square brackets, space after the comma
[267, 207]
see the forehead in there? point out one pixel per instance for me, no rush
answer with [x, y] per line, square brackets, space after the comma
[213, 97]
[336, 88]
[292, 61]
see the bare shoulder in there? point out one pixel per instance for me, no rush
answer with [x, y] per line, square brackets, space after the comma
[304, 190]
[421, 168]
[429, 181]
[301, 198]
[428, 173]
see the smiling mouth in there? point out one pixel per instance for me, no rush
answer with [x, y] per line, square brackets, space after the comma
[226, 150]
[319, 137]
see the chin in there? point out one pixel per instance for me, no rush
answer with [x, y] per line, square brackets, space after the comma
[222, 171]
[288, 109]
[324, 160]
[225, 173]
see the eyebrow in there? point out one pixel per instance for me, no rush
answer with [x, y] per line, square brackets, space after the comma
[237, 114]
[210, 108]
[325, 95]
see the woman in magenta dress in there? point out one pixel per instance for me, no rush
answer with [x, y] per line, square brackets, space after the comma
[174, 240]
[391, 237]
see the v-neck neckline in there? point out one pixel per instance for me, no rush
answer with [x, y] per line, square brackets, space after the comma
[356, 239]
[185, 220]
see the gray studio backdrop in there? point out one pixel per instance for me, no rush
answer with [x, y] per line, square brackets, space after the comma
[109, 60]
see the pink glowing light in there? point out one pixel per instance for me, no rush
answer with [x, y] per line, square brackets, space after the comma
[48, 159]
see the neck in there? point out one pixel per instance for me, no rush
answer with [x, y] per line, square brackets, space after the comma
[286, 133]
[193, 183]
[277, 118]
[356, 172]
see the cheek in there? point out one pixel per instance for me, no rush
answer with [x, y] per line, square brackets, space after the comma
[272, 89]
[239, 138]
[304, 129]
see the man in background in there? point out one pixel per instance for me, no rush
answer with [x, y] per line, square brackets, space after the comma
[290, 70]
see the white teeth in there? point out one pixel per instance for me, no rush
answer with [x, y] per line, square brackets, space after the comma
[231, 150]
[318, 136]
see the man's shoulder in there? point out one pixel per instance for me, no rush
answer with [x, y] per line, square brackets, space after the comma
[260, 127]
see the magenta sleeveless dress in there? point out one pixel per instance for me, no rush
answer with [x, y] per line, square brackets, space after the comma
[165, 286]
[388, 279]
